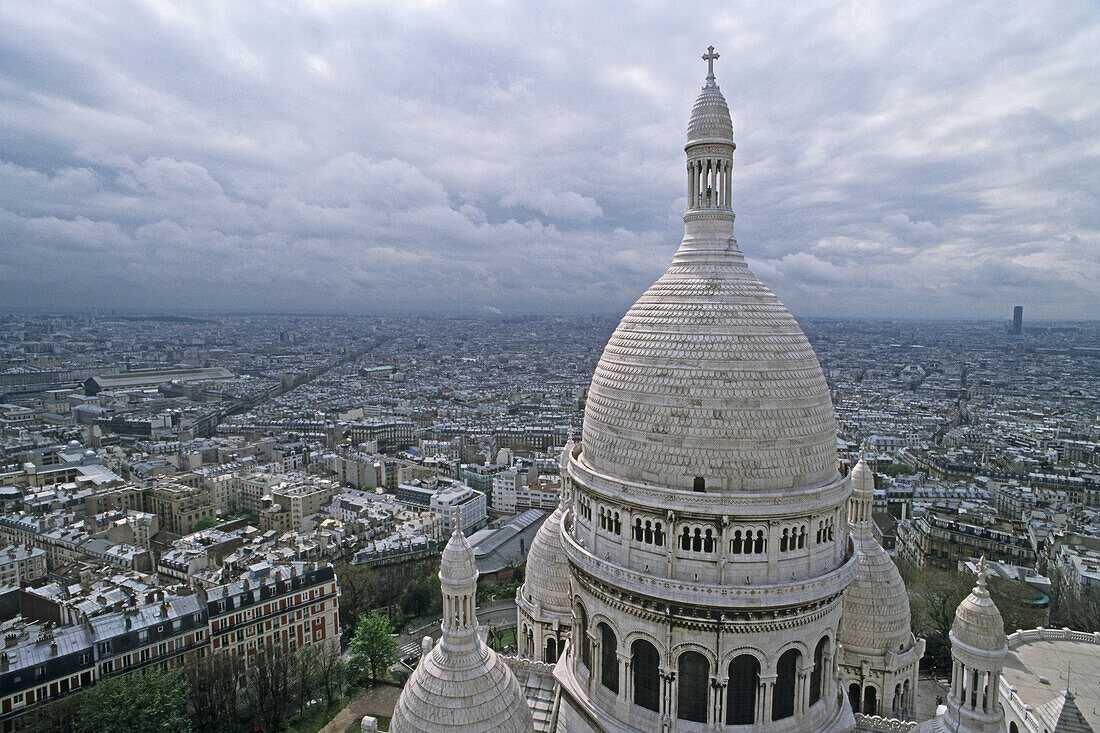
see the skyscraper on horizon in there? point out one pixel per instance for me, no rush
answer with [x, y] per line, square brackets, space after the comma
[1017, 321]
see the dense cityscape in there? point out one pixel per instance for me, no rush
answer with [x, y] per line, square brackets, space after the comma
[155, 467]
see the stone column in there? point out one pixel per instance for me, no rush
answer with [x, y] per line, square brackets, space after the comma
[596, 668]
[626, 691]
[668, 699]
[719, 707]
[802, 690]
[729, 185]
[691, 194]
[764, 700]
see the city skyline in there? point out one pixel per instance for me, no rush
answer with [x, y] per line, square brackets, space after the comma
[930, 162]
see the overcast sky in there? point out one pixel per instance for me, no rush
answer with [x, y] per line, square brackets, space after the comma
[907, 159]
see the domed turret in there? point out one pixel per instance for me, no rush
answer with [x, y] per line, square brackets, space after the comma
[460, 684]
[978, 623]
[978, 652]
[542, 601]
[880, 654]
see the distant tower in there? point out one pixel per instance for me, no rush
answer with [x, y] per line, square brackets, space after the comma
[1017, 320]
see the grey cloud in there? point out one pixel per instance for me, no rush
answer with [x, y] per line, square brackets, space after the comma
[891, 160]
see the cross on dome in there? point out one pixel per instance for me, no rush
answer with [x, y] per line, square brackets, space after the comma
[709, 57]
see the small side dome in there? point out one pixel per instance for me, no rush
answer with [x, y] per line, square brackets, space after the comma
[471, 692]
[546, 579]
[876, 605]
[863, 478]
[458, 566]
[978, 623]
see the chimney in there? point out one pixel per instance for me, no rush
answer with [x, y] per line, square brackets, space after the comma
[53, 648]
[4, 662]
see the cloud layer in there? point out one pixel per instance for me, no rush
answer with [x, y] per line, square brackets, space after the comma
[894, 159]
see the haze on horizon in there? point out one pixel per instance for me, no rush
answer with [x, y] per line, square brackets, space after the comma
[936, 161]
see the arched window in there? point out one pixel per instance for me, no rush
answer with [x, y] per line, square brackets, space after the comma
[741, 693]
[783, 541]
[693, 683]
[735, 543]
[1013, 728]
[700, 484]
[659, 536]
[761, 543]
[802, 538]
[870, 701]
[638, 530]
[685, 539]
[648, 531]
[582, 642]
[609, 658]
[896, 707]
[551, 650]
[818, 675]
[647, 681]
[708, 542]
[783, 695]
[697, 540]
[853, 696]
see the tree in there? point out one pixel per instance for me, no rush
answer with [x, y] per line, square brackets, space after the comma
[135, 703]
[203, 523]
[373, 646]
[213, 691]
[58, 716]
[933, 597]
[268, 689]
[358, 594]
[305, 671]
[331, 671]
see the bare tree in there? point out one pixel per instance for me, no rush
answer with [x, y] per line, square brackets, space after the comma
[269, 688]
[213, 691]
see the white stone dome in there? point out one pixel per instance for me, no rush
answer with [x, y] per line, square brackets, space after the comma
[708, 375]
[876, 605]
[546, 579]
[471, 692]
[863, 479]
[978, 623]
[458, 564]
[710, 117]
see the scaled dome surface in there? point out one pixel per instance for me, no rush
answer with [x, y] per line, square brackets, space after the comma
[708, 375]
[546, 579]
[978, 623]
[876, 604]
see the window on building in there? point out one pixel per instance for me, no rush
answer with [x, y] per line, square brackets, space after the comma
[817, 677]
[693, 682]
[586, 648]
[647, 680]
[783, 695]
[741, 694]
[609, 658]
